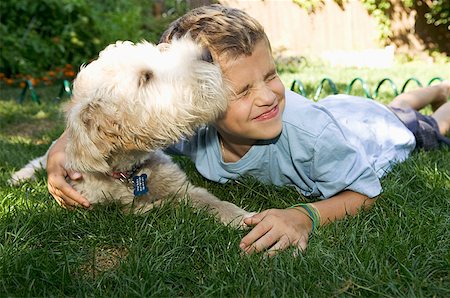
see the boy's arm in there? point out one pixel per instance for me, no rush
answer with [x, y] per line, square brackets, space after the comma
[277, 229]
[335, 165]
[345, 203]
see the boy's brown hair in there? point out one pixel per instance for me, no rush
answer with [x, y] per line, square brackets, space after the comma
[222, 30]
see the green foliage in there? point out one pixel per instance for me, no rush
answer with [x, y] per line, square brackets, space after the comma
[41, 35]
[290, 64]
[309, 5]
[312, 5]
[379, 9]
[439, 13]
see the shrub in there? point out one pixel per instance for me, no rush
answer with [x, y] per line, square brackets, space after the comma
[37, 36]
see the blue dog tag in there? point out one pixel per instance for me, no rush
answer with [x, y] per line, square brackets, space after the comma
[140, 185]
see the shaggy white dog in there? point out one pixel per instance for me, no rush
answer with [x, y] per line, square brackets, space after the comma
[128, 104]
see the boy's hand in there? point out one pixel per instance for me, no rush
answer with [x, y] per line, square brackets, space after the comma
[57, 185]
[276, 230]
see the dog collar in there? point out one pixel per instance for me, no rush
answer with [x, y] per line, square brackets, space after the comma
[126, 175]
[138, 182]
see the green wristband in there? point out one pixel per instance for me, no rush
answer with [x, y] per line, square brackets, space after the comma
[313, 214]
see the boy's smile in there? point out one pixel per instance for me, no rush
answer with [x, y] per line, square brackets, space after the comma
[255, 109]
[269, 114]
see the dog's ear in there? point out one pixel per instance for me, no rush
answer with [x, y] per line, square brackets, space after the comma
[145, 77]
[210, 91]
[96, 131]
[83, 154]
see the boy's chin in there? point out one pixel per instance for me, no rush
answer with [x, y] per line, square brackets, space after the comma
[270, 133]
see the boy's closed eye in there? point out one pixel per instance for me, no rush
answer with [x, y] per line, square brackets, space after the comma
[271, 75]
[245, 91]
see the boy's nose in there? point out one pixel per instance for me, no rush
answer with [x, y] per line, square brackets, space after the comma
[265, 96]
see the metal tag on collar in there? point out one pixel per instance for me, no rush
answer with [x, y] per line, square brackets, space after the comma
[123, 177]
[140, 185]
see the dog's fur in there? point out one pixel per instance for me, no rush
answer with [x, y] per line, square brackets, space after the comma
[128, 104]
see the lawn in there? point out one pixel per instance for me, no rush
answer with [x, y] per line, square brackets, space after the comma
[399, 248]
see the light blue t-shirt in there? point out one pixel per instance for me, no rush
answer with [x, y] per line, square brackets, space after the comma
[342, 143]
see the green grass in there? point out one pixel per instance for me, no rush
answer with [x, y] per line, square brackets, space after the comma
[400, 248]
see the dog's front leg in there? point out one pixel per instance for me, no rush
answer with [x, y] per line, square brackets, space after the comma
[227, 212]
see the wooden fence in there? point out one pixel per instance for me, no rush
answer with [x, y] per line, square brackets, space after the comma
[331, 28]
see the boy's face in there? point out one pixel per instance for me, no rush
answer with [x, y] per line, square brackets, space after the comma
[254, 111]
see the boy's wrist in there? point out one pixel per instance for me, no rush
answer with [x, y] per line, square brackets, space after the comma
[311, 211]
[304, 217]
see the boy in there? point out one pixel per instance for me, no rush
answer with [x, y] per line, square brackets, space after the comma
[335, 150]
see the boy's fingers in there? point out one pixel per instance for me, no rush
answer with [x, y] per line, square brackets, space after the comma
[300, 247]
[69, 201]
[62, 190]
[255, 219]
[282, 244]
[61, 198]
[60, 201]
[264, 242]
[73, 198]
[259, 231]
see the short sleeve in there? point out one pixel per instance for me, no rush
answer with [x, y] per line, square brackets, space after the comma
[183, 147]
[339, 166]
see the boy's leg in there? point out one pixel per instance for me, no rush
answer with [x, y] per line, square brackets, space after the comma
[442, 117]
[435, 95]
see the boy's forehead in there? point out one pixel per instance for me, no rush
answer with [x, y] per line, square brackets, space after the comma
[229, 60]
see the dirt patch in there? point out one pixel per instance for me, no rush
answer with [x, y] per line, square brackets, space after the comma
[103, 260]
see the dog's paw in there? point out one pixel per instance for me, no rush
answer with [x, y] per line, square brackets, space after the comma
[238, 222]
[21, 176]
